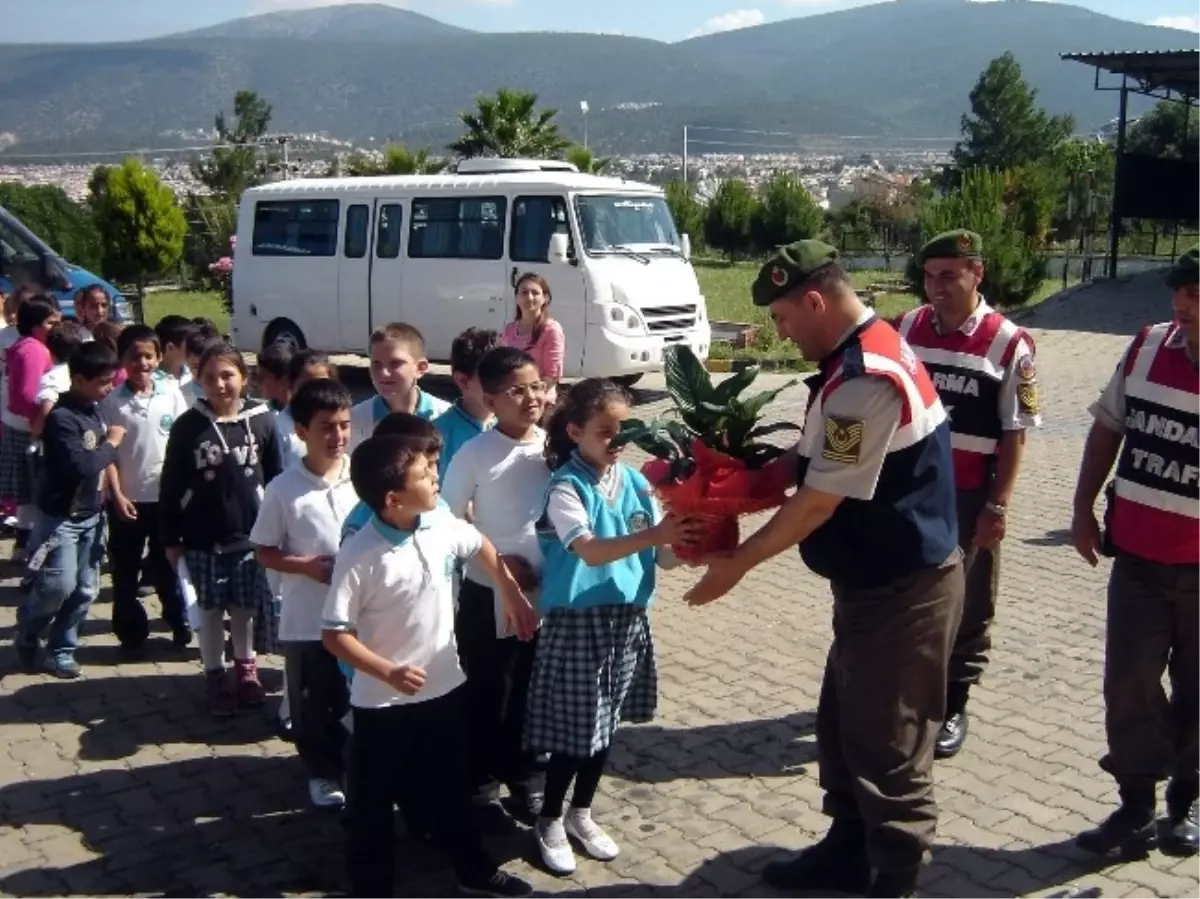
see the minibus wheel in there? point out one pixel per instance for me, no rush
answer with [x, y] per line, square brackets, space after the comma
[284, 331]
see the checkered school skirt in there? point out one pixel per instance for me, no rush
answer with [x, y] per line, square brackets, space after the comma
[236, 581]
[16, 466]
[594, 668]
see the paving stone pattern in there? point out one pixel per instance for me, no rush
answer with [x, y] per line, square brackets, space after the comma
[120, 783]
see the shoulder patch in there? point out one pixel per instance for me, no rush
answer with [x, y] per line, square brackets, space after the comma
[843, 440]
[1027, 369]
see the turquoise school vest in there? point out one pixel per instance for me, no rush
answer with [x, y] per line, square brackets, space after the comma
[570, 583]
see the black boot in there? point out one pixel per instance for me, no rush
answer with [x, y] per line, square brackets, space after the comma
[953, 732]
[1129, 831]
[1182, 833]
[838, 863]
[898, 884]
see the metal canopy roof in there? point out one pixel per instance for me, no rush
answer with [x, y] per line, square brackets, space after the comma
[1156, 73]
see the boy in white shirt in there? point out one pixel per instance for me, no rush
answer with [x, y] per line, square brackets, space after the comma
[390, 615]
[398, 363]
[296, 534]
[146, 406]
[302, 367]
[173, 332]
[502, 476]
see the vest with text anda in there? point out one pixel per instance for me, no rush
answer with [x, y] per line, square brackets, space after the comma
[1156, 506]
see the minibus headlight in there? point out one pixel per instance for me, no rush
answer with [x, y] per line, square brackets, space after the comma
[623, 318]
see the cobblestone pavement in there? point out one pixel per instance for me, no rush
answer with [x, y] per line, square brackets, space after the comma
[119, 783]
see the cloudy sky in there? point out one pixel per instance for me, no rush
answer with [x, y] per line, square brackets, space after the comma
[113, 20]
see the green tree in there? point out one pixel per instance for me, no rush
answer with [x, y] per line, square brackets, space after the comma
[48, 212]
[588, 162]
[785, 212]
[141, 226]
[212, 222]
[1083, 165]
[1015, 263]
[230, 170]
[509, 125]
[689, 213]
[397, 159]
[1170, 131]
[1006, 128]
[730, 215]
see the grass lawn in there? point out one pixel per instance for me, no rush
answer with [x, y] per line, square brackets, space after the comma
[727, 292]
[190, 303]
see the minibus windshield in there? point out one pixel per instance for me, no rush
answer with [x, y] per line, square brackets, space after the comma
[626, 225]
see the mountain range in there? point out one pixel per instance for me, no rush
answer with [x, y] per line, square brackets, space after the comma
[895, 71]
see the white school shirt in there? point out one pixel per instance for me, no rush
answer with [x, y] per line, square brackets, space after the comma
[147, 419]
[293, 447]
[302, 514]
[368, 413]
[53, 384]
[8, 336]
[192, 392]
[504, 482]
[394, 590]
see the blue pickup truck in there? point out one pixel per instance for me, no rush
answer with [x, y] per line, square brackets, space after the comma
[25, 258]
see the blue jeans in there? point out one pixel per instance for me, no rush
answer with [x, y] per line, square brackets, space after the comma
[63, 587]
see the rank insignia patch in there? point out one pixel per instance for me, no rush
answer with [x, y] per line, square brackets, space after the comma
[1027, 398]
[843, 440]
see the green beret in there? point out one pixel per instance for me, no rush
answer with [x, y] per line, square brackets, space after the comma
[1184, 271]
[953, 245]
[788, 268]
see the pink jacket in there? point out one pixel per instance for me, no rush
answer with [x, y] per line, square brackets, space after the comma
[547, 351]
[27, 360]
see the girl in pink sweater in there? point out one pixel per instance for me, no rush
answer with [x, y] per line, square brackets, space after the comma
[24, 362]
[536, 333]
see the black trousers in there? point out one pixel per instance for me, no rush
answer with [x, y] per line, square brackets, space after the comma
[413, 755]
[498, 672]
[127, 541]
[319, 699]
[981, 570]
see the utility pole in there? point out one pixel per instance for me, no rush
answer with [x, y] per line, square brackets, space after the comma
[685, 159]
[583, 107]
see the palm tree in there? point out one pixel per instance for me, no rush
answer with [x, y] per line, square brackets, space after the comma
[397, 160]
[508, 125]
[586, 161]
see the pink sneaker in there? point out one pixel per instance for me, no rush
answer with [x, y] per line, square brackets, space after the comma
[249, 690]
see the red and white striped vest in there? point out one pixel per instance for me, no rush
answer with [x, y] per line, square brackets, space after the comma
[967, 368]
[1156, 510]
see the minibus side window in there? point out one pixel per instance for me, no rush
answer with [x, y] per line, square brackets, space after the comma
[358, 220]
[387, 238]
[457, 228]
[295, 228]
[534, 220]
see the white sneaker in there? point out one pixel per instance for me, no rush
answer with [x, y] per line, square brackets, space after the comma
[556, 850]
[596, 843]
[326, 793]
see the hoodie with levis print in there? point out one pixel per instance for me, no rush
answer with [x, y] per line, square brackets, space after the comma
[213, 477]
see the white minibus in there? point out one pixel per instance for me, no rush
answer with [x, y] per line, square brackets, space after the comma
[323, 262]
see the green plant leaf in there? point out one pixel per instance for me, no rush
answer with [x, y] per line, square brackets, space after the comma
[653, 438]
[734, 384]
[682, 435]
[688, 381]
[779, 426]
[759, 401]
[757, 455]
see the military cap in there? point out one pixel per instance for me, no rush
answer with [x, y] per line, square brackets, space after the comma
[1184, 271]
[958, 244]
[789, 267]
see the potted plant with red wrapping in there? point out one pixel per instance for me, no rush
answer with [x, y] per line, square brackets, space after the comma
[709, 456]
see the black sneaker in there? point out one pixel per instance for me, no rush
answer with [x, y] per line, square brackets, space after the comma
[1127, 833]
[951, 736]
[1181, 836]
[499, 884]
[181, 636]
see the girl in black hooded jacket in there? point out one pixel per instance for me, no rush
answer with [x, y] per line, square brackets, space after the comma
[220, 455]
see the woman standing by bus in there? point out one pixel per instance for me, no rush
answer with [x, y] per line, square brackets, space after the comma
[536, 333]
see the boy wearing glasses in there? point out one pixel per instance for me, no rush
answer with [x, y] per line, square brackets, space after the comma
[502, 477]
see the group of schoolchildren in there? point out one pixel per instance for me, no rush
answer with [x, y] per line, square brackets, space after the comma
[460, 591]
